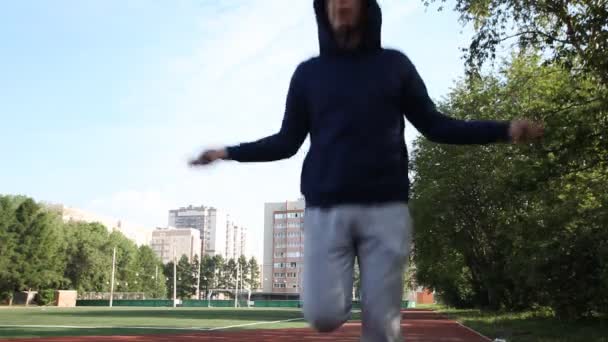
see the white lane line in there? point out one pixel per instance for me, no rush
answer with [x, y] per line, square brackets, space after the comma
[256, 323]
[474, 331]
[98, 327]
[150, 328]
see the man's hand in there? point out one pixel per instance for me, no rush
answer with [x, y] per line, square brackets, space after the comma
[209, 156]
[525, 131]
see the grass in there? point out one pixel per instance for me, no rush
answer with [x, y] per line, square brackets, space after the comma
[121, 320]
[514, 327]
[428, 306]
[529, 326]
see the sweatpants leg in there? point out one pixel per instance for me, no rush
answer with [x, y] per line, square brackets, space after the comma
[383, 244]
[329, 254]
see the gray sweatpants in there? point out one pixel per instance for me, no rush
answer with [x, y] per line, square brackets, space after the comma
[380, 237]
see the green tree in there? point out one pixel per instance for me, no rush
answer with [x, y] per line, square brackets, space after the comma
[195, 269]
[253, 278]
[572, 33]
[9, 277]
[149, 274]
[243, 272]
[126, 262]
[514, 226]
[31, 248]
[186, 281]
[88, 258]
[217, 269]
[168, 273]
[207, 274]
[227, 278]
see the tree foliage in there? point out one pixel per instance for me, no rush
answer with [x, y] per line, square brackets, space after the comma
[215, 273]
[88, 257]
[30, 246]
[253, 278]
[512, 227]
[40, 252]
[186, 278]
[573, 33]
[515, 226]
[149, 273]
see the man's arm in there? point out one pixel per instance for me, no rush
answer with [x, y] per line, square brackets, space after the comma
[281, 145]
[422, 113]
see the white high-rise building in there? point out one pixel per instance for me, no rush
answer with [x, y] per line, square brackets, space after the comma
[209, 221]
[236, 237]
[215, 240]
[168, 243]
[283, 247]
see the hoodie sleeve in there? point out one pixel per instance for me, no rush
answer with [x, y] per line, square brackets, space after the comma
[420, 110]
[290, 137]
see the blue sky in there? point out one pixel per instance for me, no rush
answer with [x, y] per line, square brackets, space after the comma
[103, 102]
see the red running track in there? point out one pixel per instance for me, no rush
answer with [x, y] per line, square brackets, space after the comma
[418, 326]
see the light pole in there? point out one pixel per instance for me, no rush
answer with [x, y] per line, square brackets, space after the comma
[156, 282]
[285, 282]
[236, 285]
[198, 282]
[112, 280]
[174, 279]
[206, 287]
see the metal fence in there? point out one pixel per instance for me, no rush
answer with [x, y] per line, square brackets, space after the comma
[207, 303]
[117, 296]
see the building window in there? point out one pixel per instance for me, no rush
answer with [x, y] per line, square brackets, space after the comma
[293, 265]
[279, 286]
[279, 264]
[279, 216]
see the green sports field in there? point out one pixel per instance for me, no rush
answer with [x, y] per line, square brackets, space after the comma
[83, 321]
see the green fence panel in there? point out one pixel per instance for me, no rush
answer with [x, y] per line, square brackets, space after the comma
[276, 303]
[127, 302]
[214, 303]
[193, 303]
[206, 303]
[222, 303]
[92, 302]
[143, 303]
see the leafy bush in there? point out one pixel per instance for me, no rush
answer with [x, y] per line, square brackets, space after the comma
[45, 297]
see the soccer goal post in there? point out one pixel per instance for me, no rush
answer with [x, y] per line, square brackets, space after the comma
[229, 298]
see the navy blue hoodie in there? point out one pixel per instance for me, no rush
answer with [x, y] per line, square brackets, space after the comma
[352, 104]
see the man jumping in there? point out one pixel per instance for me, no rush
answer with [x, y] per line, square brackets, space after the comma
[351, 100]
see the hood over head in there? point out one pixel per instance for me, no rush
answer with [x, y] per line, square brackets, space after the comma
[371, 30]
